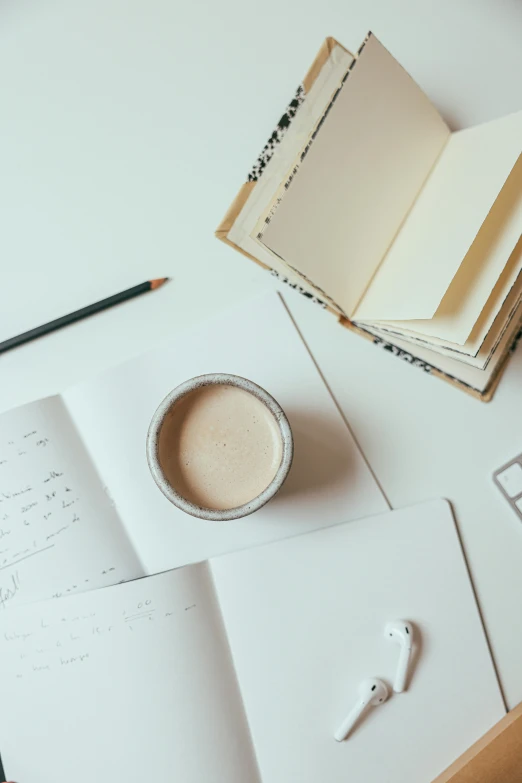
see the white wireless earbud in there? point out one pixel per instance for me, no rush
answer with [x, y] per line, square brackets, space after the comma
[371, 693]
[401, 632]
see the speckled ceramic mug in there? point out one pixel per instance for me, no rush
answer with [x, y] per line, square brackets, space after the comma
[219, 447]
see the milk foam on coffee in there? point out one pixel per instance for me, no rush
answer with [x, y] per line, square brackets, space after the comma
[219, 447]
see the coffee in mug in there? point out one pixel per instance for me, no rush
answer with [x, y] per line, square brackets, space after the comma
[219, 447]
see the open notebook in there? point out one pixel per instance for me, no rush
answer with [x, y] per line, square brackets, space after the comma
[408, 232]
[78, 506]
[240, 669]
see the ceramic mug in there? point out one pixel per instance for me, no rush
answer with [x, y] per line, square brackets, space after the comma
[219, 447]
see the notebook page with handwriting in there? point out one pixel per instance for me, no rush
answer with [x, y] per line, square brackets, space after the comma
[59, 531]
[131, 683]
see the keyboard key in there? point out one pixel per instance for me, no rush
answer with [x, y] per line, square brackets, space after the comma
[511, 480]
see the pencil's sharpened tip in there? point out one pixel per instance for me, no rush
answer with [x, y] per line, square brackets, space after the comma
[157, 283]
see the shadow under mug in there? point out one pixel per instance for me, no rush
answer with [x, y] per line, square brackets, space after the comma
[162, 414]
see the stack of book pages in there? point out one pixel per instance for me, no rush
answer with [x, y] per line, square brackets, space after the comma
[409, 232]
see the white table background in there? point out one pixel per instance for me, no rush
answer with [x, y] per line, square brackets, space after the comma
[126, 129]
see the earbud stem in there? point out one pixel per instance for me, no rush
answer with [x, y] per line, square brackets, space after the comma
[402, 670]
[350, 721]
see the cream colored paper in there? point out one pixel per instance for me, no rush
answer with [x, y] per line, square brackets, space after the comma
[443, 224]
[491, 320]
[474, 377]
[505, 323]
[243, 232]
[487, 333]
[359, 178]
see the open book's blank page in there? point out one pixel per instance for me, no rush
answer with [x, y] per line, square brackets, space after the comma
[475, 377]
[59, 532]
[329, 481]
[444, 222]
[267, 187]
[308, 624]
[479, 353]
[359, 178]
[458, 300]
[129, 684]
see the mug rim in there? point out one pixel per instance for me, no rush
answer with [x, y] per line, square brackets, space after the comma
[152, 445]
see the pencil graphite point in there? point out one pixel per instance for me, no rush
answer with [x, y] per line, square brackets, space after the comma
[158, 282]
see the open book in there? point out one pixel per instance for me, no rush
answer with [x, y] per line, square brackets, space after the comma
[240, 669]
[408, 232]
[78, 506]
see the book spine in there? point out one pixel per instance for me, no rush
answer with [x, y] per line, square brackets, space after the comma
[277, 134]
[299, 289]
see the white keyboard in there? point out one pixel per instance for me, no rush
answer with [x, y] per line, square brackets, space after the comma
[509, 480]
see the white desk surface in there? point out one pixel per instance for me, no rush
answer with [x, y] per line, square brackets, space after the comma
[127, 129]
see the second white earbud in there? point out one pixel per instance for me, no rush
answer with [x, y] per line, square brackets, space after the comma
[401, 632]
[372, 693]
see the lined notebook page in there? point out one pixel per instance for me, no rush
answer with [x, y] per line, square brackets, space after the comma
[59, 532]
[133, 683]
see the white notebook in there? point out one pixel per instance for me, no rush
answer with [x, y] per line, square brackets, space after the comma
[78, 507]
[239, 670]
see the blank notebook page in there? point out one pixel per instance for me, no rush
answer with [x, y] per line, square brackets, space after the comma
[329, 481]
[308, 624]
